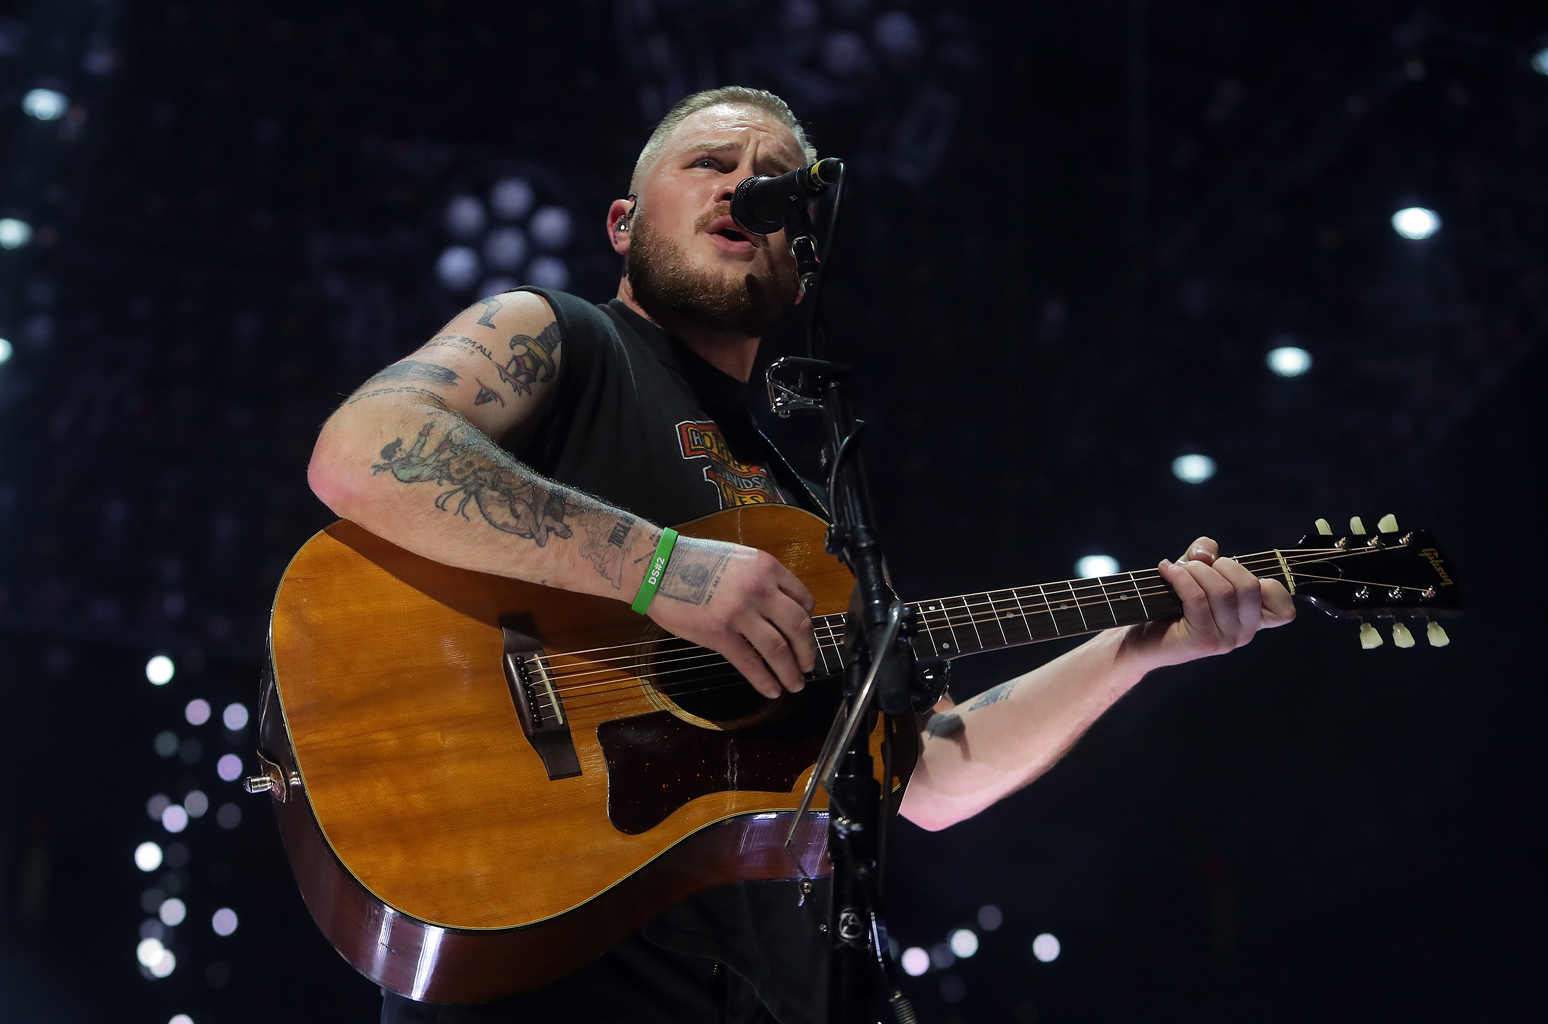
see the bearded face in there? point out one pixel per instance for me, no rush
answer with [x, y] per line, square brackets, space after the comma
[670, 286]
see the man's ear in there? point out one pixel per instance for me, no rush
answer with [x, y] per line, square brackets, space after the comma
[620, 215]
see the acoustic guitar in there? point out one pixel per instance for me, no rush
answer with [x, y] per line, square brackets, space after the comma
[482, 784]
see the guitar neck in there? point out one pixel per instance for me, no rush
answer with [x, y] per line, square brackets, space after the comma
[949, 627]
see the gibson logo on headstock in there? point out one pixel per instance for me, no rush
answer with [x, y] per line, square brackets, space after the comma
[1433, 557]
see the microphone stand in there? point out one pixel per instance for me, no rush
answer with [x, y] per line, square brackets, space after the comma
[880, 674]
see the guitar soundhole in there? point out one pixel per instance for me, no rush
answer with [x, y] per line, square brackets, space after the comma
[704, 684]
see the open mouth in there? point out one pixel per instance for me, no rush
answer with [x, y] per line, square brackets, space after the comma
[733, 234]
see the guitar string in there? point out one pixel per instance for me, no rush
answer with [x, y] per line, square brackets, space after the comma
[1150, 579]
[947, 619]
[731, 675]
[723, 678]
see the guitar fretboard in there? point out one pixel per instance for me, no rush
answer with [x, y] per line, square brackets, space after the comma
[948, 627]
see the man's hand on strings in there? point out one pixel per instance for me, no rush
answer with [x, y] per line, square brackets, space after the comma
[1224, 606]
[743, 604]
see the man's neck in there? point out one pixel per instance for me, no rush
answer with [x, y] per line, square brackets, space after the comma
[731, 354]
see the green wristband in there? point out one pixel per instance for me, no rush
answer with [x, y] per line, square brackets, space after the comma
[657, 569]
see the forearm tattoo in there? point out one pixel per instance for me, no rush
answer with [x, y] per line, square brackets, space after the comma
[473, 471]
[993, 695]
[943, 724]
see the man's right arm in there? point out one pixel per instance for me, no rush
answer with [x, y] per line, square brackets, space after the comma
[409, 456]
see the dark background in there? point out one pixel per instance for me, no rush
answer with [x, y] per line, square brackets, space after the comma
[1071, 235]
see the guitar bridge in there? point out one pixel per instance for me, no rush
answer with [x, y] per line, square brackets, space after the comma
[537, 700]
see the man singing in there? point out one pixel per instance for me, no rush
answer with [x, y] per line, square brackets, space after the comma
[570, 434]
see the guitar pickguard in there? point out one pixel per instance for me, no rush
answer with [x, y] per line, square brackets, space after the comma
[656, 763]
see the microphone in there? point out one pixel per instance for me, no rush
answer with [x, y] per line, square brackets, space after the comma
[760, 204]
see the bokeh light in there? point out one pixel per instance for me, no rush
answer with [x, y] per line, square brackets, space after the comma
[147, 856]
[224, 922]
[159, 670]
[1095, 565]
[1416, 222]
[197, 712]
[229, 767]
[990, 918]
[963, 942]
[915, 961]
[14, 233]
[172, 912]
[235, 716]
[1046, 948]
[1193, 469]
[1289, 360]
[45, 104]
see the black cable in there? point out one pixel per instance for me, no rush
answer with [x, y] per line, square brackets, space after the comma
[814, 331]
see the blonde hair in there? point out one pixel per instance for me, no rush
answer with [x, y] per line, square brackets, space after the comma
[686, 107]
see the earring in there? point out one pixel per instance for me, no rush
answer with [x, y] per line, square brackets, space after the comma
[623, 222]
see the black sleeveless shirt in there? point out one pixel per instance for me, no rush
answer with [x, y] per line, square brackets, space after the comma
[643, 423]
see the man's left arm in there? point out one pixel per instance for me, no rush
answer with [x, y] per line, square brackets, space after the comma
[975, 754]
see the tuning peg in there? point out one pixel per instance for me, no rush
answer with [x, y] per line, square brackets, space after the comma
[1323, 529]
[1369, 638]
[1401, 637]
[1436, 635]
[1387, 524]
[1355, 526]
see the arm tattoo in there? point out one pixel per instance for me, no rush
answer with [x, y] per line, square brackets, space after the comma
[485, 394]
[532, 360]
[433, 397]
[941, 725]
[492, 306]
[412, 371]
[510, 497]
[993, 695]
[458, 341]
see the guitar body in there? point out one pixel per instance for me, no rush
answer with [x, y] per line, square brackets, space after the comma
[456, 847]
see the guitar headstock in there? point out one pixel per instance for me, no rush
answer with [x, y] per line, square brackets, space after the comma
[1389, 574]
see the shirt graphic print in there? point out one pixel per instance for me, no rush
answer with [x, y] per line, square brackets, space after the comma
[739, 483]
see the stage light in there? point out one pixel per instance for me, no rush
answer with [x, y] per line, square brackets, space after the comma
[166, 743]
[156, 804]
[990, 918]
[457, 267]
[1416, 222]
[465, 217]
[963, 942]
[224, 922]
[550, 227]
[181, 1018]
[1289, 361]
[511, 198]
[196, 803]
[548, 272]
[229, 816]
[14, 233]
[1193, 469]
[45, 104]
[147, 856]
[505, 248]
[1540, 61]
[172, 912]
[197, 712]
[174, 818]
[941, 956]
[1096, 565]
[1046, 948]
[159, 670]
[915, 961]
[235, 716]
[228, 767]
[6, 350]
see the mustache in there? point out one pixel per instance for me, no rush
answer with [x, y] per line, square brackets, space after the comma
[724, 210]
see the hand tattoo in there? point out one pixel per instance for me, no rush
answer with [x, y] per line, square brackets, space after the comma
[691, 576]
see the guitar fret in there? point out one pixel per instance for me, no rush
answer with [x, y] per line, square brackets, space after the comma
[1026, 623]
[1145, 612]
[1107, 598]
[972, 621]
[994, 606]
[1053, 619]
[955, 643]
[1076, 599]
